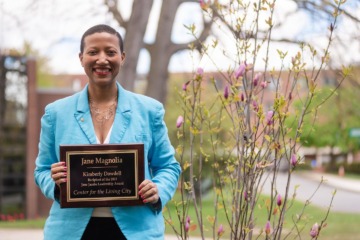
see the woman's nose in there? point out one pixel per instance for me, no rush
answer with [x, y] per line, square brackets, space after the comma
[102, 59]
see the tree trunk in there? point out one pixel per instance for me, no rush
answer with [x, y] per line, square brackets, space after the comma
[134, 41]
[158, 78]
[161, 52]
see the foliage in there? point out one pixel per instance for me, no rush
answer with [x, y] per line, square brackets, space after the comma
[43, 71]
[240, 130]
[328, 121]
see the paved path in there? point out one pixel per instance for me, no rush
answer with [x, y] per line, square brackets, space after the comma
[18, 234]
[347, 190]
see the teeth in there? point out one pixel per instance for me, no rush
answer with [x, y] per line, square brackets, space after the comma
[102, 70]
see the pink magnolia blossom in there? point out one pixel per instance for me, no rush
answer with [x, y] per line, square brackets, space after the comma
[184, 87]
[187, 224]
[256, 79]
[267, 228]
[221, 230]
[314, 230]
[279, 200]
[242, 97]
[240, 71]
[179, 121]
[255, 106]
[269, 117]
[293, 160]
[245, 195]
[290, 96]
[226, 92]
[263, 84]
[200, 71]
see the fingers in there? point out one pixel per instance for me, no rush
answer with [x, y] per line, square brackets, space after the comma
[58, 172]
[148, 192]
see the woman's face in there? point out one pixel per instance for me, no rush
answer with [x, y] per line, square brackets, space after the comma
[101, 58]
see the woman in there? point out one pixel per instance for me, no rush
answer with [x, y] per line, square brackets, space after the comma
[103, 112]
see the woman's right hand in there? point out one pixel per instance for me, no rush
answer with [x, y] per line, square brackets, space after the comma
[58, 172]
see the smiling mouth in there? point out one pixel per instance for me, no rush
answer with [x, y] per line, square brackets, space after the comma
[102, 71]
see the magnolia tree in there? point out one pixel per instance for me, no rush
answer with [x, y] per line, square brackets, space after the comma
[234, 132]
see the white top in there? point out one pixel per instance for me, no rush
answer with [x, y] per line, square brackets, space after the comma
[103, 211]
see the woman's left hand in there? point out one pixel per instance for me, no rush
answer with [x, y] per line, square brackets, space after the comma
[149, 192]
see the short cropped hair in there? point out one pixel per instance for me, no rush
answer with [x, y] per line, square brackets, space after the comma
[99, 29]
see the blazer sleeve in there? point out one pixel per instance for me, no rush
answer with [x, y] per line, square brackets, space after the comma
[164, 167]
[46, 156]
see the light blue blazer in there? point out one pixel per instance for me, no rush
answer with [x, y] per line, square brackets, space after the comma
[138, 119]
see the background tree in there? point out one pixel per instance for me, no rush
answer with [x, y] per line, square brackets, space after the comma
[329, 121]
[163, 48]
[160, 51]
[254, 116]
[43, 71]
[134, 38]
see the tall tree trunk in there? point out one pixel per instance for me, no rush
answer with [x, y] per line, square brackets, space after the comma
[134, 41]
[161, 52]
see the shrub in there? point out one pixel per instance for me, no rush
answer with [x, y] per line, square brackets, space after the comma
[230, 132]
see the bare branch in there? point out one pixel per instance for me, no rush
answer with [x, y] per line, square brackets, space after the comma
[323, 6]
[204, 34]
[113, 8]
[197, 42]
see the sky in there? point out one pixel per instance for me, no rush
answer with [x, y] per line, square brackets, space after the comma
[54, 28]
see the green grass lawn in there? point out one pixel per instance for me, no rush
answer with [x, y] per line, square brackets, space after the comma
[37, 223]
[352, 176]
[347, 175]
[339, 225]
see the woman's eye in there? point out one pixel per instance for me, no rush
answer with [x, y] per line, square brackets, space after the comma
[111, 53]
[92, 53]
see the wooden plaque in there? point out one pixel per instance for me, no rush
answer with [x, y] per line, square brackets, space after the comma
[102, 175]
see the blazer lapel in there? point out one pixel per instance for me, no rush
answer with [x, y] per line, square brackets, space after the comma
[83, 116]
[122, 116]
